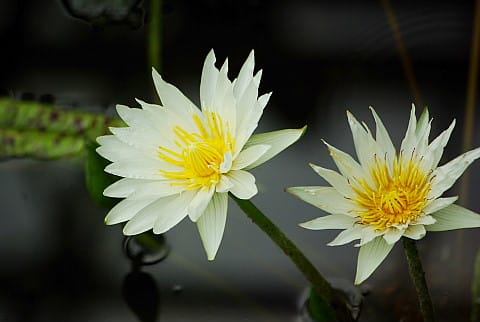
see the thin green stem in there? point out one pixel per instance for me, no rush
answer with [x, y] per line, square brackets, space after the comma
[322, 287]
[418, 277]
[155, 35]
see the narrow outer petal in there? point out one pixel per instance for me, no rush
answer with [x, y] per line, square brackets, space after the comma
[278, 140]
[445, 176]
[325, 198]
[454, 217]
[371, 255]
[212, 224]
[330, 222]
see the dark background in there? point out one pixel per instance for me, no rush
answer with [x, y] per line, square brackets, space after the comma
[59, 262]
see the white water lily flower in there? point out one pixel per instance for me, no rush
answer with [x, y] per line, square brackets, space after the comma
[178, 160]
[386, 195]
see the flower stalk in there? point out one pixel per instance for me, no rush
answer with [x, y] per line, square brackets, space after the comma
[418, 277]
[323, 289]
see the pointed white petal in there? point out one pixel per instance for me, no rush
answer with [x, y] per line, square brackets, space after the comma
[347, 166]
[335, 179]
[208, 83]
[136, 169]
[200, 202]
[172, 98]
[410, 140]
[347, 236]
[454, 217]
[243, 184]
[365, 146]
[169, 211]
[422, 132]
[434, 151]
[382, 137]
[123, 187]
[247, 120]
[278, 140]
[245, 75]
[371, 255]
[325, 198]
[212, 224]
[125, 210]
[142, 220]
[415, 232]
[155, 189]
[438, 204]
[393, 235]
[330, 222]
[249, 155]
[445, 176]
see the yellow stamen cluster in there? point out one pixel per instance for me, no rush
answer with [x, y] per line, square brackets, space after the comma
[397, 197]
[200, 154]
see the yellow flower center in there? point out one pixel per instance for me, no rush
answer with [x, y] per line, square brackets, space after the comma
[397, 197]
[201, 153]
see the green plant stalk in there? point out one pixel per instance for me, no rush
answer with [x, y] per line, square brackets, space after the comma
[418, 277]
[323, 289]
[155, 35]
[476, 290]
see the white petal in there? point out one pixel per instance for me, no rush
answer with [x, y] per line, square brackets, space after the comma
[325, 198]
[392, 235]
[438, 204]
[347, 236]
[347, 166]
[200, 202]
[245, 75]
[249, 155]
[170, 211]
[212, 224]
[435, 149]
[125, 210]
[422, 132]
[410, 140]
[172, 97]
[445, 176]
[227, 163]
[136, 169]
[208, 82]
[155, 189]
[454, 217]
[371, 255]
[335, 179]
[367, 234]
[243, 184]
[224, 185]
[329, 222]
[123, 187]
[278, 140]
[424, 220]
[248, 121]
[382, 137]
[415, 232]
[365, 146]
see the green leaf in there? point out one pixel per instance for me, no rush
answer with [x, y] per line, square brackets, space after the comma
[97, 179]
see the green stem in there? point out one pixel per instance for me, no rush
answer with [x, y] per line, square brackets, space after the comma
[155, 35]
[418, 277]
[322, 287]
